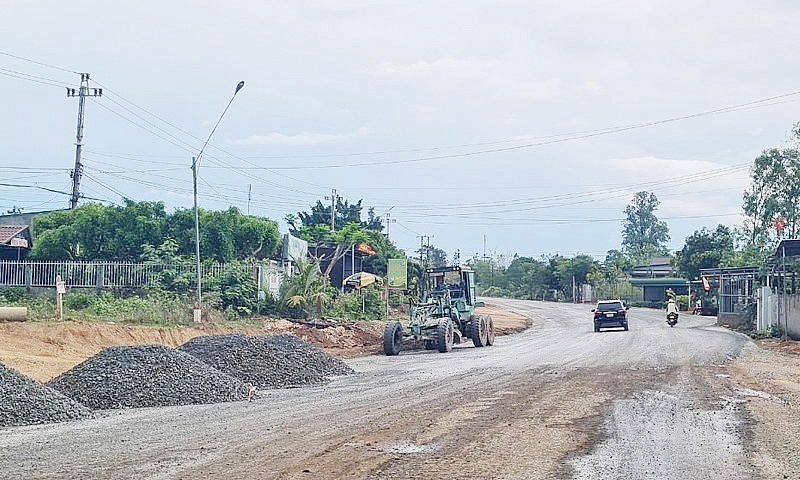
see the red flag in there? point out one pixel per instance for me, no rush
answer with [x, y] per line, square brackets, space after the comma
[365, 248]
[780, 224]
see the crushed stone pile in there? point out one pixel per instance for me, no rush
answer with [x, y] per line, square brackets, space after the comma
[147, 376]
[25, 402]
[267, 361]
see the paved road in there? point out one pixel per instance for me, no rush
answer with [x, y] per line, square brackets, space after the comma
[556, 401]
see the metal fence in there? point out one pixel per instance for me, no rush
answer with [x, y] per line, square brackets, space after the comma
[102, 274]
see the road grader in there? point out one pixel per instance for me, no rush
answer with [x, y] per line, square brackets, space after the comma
[446, 316]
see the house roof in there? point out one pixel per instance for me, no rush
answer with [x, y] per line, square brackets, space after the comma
[790, 248]
[7, 232]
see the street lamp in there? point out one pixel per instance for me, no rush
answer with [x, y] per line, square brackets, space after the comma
[195, 165]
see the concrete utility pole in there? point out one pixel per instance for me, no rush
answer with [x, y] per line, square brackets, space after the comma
[82, 92]
[334, 199]
[389, 220]
[422, 247]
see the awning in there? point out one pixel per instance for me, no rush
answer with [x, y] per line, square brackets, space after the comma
[361, 279]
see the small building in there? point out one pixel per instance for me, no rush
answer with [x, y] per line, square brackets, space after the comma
[15, 242]
[658, 267]
[655, 289]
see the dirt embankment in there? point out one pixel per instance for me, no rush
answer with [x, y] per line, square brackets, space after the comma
[42, 351]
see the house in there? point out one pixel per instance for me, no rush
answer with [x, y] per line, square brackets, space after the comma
[658, 267]
[656, 277]
[15, 242]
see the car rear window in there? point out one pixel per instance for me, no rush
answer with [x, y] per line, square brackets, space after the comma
[609, 307]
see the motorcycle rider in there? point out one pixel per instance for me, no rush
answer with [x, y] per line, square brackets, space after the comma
[672, 307]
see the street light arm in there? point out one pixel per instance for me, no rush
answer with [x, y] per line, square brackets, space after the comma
[200, 155]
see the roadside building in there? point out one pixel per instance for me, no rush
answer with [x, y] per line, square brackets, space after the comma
[15, 242]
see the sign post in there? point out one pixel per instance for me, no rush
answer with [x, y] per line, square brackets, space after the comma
[61, 289]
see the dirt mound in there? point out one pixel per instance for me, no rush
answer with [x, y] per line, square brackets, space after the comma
[267, 361]
[147, 376]
[25, 402]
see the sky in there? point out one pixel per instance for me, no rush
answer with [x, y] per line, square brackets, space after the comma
[483, 127]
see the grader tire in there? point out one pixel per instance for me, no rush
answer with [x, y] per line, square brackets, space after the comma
[444, 335]
[393, 338]
[478, 331]
[489, 331]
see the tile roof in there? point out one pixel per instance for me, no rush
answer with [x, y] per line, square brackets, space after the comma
[7, 232]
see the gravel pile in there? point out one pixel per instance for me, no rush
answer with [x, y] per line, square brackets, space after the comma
[25, 402]
[267, 361]
[147, 376]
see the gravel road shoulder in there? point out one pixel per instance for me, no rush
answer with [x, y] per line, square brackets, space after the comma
[767, 380]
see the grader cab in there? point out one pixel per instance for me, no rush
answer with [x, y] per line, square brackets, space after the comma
[445, 317]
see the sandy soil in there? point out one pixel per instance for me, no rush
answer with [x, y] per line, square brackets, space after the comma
[42, 351]
[769, 379]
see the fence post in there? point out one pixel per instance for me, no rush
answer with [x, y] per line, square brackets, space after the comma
[28, 276]
[101, 273]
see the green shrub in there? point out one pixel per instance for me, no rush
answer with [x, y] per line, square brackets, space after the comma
[493, 291]
[365, 304]
[773, 331]
[13, 294]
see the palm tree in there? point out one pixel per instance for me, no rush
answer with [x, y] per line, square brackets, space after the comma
[308, 290]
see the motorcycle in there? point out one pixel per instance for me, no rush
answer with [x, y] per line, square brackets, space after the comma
[672, 319]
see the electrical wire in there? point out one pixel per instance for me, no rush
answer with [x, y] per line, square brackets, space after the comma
[39, 63]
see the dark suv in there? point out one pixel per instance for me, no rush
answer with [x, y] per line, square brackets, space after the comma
[610, 313]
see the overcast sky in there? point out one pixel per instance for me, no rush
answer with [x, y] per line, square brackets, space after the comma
[466, 120]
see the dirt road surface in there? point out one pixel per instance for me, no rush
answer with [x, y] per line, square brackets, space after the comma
[556, 401]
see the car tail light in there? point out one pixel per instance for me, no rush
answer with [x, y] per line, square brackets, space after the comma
[621, 312]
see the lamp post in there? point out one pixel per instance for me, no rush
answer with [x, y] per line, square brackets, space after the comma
[195, 165]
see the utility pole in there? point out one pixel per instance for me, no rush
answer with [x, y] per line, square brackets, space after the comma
[389, 220]
[82, 92]
[249, 196]
[334, 198]
[422, 246]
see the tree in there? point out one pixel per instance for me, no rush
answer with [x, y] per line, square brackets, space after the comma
[774, 191]
[314, 227]
[529, 278]
[575, 271]
[98, 232]
[642, 231]
[95, 232]
[704, 249]
[303, 224]
[307, 290]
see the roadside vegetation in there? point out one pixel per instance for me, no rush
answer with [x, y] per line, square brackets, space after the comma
[771, 207]
[144, 232]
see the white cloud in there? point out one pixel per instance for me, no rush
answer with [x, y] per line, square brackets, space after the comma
[447, 67]
[492, 76]
[304, 138]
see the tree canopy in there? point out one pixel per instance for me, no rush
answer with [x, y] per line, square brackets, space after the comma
[774, 192]
[641, 229]
[95, 232]
[705, 249]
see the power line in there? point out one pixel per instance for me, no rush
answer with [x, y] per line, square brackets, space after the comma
[32, 78]
[39, 63]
